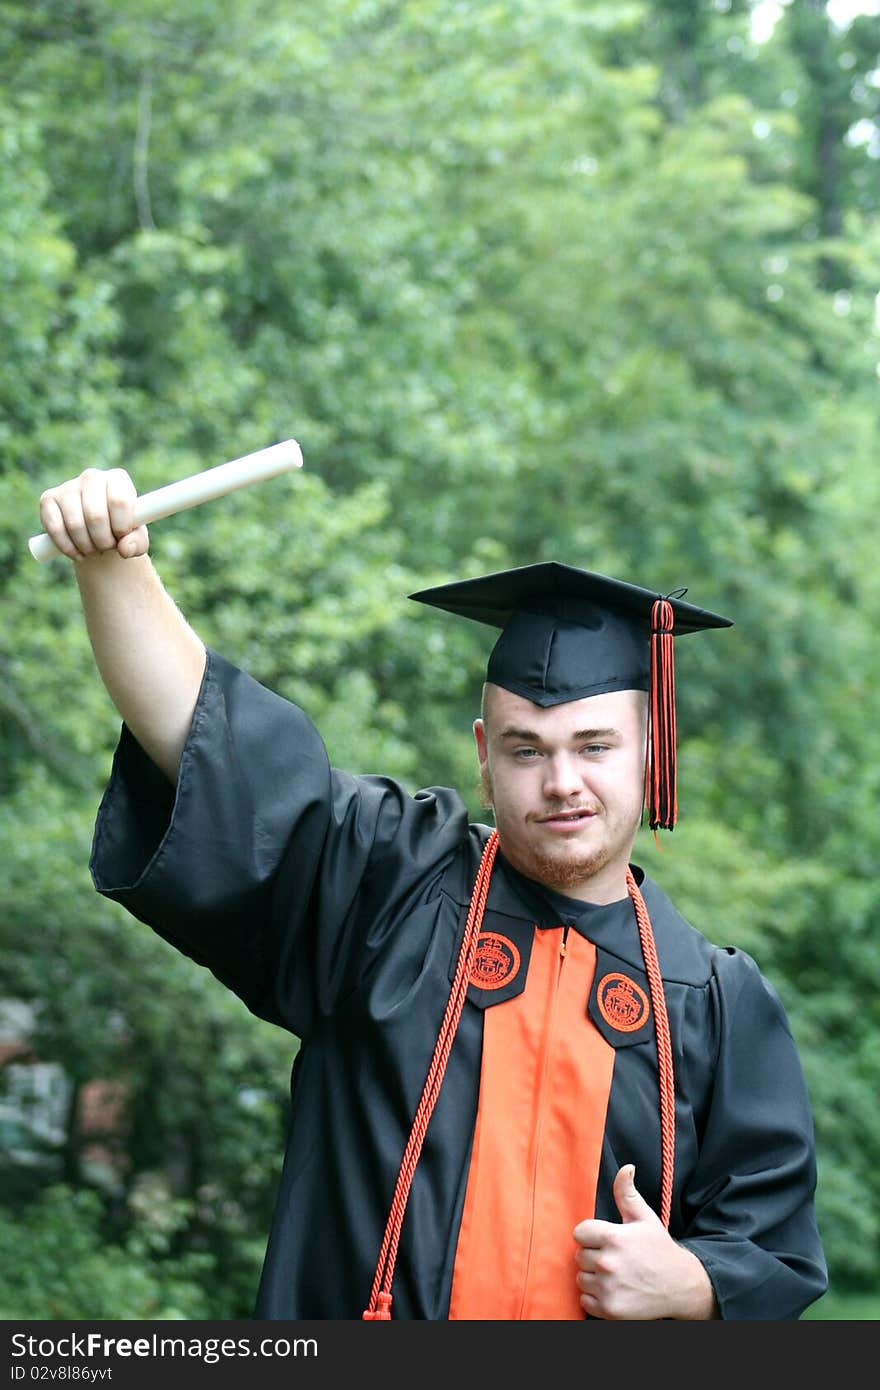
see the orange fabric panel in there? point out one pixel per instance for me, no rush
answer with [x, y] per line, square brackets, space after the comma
[544, 1086]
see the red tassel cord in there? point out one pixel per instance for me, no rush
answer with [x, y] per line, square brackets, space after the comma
[661, 797]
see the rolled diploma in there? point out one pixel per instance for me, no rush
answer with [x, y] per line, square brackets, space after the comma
[201, 487]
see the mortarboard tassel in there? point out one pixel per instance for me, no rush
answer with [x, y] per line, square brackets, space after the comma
[660, 780]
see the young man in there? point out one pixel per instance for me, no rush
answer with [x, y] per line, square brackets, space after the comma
[526, 1087]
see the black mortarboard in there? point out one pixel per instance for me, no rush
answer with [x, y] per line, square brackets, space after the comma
[569, 633]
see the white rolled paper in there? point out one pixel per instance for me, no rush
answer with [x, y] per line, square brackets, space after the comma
[201, 487]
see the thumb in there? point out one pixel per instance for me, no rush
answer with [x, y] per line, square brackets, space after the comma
[134, 543]
[630, 1202]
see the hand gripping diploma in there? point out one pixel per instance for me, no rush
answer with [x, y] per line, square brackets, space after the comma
[165, 501]
[150, 659]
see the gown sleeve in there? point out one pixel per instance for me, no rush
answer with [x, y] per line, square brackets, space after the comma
[750, 1199]
[280, 874]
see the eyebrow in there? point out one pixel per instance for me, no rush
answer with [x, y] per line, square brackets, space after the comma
[579, 736]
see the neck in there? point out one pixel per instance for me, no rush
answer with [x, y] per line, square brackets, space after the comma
[605, 885]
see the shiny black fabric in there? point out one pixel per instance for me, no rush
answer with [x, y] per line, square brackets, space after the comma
[334, 906]
[567, 633]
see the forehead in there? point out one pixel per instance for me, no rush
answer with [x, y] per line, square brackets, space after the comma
[613, 709]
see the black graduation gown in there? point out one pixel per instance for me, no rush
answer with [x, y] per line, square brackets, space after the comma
[334, 905]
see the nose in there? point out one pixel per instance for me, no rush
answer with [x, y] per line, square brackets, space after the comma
[562, 778]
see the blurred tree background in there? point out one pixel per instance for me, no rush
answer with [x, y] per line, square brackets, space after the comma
[527, 280]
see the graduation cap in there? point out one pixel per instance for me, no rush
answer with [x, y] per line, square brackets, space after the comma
[568, 634]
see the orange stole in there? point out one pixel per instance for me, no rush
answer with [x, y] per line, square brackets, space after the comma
[544, 1085]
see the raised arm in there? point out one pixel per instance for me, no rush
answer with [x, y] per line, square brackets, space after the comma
[150, 659]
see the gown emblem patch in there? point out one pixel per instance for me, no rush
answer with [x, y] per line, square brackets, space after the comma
[496, 962]
[622, 1003]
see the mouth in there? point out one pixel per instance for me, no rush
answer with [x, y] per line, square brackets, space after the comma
[567, 820]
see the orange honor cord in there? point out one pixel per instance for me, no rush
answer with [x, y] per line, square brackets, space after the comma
[660, 778]
[664, 1048]
[379, 1307]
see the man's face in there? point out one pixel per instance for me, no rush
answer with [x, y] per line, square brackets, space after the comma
[567, 786]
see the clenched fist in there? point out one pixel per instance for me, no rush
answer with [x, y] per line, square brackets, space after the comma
[94, 513]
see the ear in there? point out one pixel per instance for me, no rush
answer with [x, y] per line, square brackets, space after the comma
[480, 736]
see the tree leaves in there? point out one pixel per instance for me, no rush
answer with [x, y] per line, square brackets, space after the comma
[527, 281]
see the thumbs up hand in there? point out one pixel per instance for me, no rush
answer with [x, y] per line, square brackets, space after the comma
[635, 1270]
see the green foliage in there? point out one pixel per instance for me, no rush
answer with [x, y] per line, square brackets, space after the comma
[845, 1308]
[56, 1263]
[557, 280]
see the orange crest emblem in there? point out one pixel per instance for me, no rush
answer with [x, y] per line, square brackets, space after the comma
[496, 962]
[622, 1003]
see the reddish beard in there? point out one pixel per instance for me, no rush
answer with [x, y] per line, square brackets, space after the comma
[560, 872]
